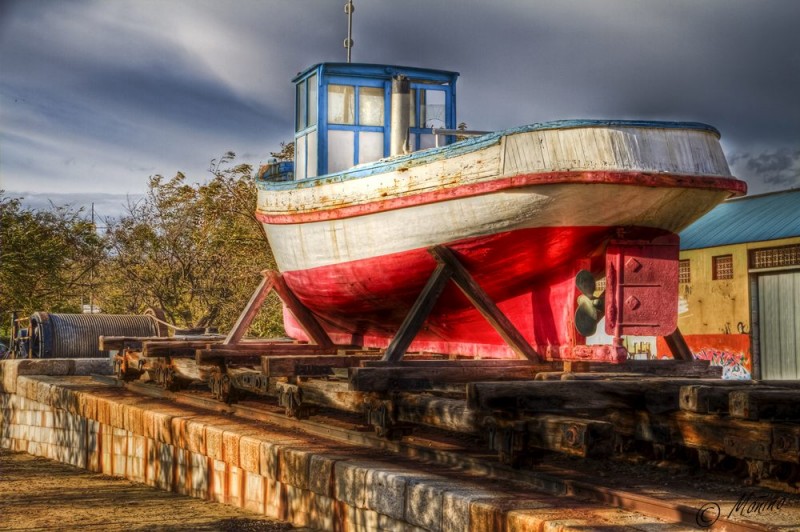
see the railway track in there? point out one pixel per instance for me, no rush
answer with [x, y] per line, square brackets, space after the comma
[552, 477]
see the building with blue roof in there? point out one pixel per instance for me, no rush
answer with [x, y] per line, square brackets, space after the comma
[740, 286]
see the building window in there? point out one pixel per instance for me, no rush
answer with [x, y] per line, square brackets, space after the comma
[775, 257]
[722, 267]
[684, 271]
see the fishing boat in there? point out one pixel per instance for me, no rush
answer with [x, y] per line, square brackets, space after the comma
[539, 217]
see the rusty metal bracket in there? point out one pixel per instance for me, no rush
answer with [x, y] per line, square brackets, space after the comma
[508, 438]
[290, 397]
[222, 388]
[381, 414]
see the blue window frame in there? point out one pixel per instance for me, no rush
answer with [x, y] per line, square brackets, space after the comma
[306, 136]
[343, 113]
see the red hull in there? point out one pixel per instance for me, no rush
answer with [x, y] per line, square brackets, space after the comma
[528, 272]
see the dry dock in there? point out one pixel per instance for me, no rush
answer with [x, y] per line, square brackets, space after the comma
[61, 409]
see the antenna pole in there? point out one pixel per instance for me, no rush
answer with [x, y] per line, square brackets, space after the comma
[91, 271]
[349, 8]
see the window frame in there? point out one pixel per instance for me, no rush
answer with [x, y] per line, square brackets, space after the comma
[688, 264]
[356, 127]
[416, 129]
[308, 128]
[716, 269]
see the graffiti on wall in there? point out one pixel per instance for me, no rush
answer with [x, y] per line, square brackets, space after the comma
[731, 351]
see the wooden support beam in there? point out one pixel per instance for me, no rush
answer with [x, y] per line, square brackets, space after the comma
[677, 345]
[288, 366]
[735, 437]
[764, 404]
[304, 316]
[654, 395]
[422, 378]
[418, 313]
[570, 435]
[485, 305]
[477, 363]
[708, 399]
[250, 310]
[121, 342]
[274, 281]
[274, 349]
[333, 394]
[650, 368]
[244, 351]
[160, 348]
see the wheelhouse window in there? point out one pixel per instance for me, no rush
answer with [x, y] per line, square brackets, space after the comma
[306, 128]
[370, 106]
[343, 114]
[341, 104]
[428, 111]
[357, 125]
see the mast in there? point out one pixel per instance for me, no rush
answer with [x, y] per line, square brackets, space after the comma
[349, 8]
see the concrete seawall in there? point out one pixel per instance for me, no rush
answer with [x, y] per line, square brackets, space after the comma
[55, 409]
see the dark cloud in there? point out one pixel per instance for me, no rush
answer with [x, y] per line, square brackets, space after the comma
[774, 169]
[105, 205]
[103, 94]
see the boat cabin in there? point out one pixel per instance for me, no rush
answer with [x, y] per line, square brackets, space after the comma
[349, 113]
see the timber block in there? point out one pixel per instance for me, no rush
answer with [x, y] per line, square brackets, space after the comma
[425, 501]
[162, 458]
[350, 482]
[93, 445]
[360, 519]
[136, 458]
[250, 454]
[177, 426]
[269, 454]
[195, 436]
[456, 506]
[295, 466]
[254, 492]
[386, 491]
[321, 474]
[321, 513]
[214, 441]
[162, 425]
[234, 494]
[230, 447]
[389, 524]
[103, 407]
[44, 390]
[134, 419]
[274, 505]
[198, 478]
[217, 491]
[299, 505]
[87, 405]
[182, 469]
[106, 436]
[496, 514]
[119, 446]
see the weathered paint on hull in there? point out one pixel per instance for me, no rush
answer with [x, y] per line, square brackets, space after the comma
[529, 272]
[523, 209]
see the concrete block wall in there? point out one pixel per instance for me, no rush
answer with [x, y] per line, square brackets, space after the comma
[297, 478]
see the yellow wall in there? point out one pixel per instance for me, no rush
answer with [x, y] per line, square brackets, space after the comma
[717, 307]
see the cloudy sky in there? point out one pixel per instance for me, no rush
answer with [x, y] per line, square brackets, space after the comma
[98, 95]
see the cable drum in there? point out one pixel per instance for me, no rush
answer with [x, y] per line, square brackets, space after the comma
[77, 335]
